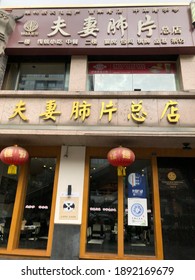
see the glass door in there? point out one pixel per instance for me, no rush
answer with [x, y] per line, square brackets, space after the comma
[138, 214]
[102, 229]
[177, 199]
[119, 213]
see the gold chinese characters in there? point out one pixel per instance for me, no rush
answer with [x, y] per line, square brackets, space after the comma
[107, 109]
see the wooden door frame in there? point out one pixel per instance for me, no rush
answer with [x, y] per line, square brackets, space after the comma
[13, 241]
[152, 155]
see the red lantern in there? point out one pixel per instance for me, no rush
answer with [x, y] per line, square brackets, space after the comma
[121, 157]
[13, 156]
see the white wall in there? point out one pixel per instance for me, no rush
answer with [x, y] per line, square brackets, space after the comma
[72, 164]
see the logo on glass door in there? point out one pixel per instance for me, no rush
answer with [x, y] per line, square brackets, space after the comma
[171, 176]
[137, 209]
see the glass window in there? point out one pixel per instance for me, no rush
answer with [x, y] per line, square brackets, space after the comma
[124, 76]
[36, 215]
[42, 77]
[102, 214]
[138, 225]
[37, 76]
[152, 82]
[102, 226]
[8, 185]
[177, 199]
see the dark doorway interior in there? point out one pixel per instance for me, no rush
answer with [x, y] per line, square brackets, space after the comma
[177, 198]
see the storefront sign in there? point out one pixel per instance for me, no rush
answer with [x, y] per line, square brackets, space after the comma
[69, 207]
[46, 3]
[131, 68]
[137, 212]
[93, 112]
[172, 179]
[136, 185]
[81, 29]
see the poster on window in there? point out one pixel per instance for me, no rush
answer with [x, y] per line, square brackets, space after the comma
[69, 207]
[137, 212]
[136, 185]
[131, 68]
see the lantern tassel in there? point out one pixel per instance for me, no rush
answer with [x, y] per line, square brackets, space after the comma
[12, 169]
[121, 170]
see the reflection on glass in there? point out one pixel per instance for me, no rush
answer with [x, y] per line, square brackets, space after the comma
[132, 82]
[138, 222]
[102, 214]
[41, 82]
[35, 221]
[112, 82]
[177, 198]
[40, 76]
[8, 185]
[160, 82]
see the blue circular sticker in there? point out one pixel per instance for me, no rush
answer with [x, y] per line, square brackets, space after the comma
[137, 209]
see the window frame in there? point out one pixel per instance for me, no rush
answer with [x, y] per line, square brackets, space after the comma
[38, 72]
[132, 68]
[102, 153]
[13, 240]
[13, 71]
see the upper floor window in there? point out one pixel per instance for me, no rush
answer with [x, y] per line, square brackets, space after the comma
[37, 76]
[132, 76]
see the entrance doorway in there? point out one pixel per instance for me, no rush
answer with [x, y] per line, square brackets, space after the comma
[110, 228]
[170, 195]
[103, 219]
[177, 202]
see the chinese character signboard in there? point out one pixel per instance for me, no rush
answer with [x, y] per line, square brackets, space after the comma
[131, 68]
[81, 30]
[125, 112]
[77, 3]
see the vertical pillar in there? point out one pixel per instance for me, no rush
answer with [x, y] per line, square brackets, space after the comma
[186, 67]
[7, 25]
[78, 73]
[3, 63]
[120, 215]
[66, 235]
[192, 7]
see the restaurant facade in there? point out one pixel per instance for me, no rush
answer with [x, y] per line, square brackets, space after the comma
[77, 83]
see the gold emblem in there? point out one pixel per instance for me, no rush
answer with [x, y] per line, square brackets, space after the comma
[31, 26]
[171, 176]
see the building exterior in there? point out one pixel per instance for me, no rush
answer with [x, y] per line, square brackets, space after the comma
[75, 83]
